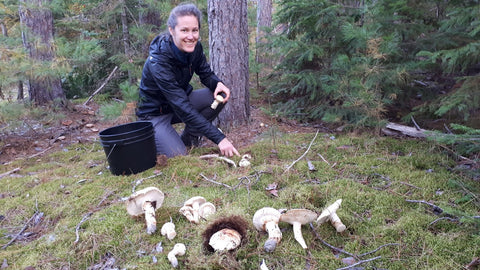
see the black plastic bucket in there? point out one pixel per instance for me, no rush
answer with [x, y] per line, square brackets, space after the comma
[130, 148]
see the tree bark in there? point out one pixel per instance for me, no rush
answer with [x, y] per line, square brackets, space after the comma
[228, 40]
[37, 36]
[264, 19]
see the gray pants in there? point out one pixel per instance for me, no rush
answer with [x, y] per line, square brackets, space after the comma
[167, 140]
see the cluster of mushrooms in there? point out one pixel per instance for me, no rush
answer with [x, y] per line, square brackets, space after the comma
[226, 233]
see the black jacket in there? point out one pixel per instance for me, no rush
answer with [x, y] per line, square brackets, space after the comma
[165, 85]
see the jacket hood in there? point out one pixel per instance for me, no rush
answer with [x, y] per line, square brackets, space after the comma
[158, 45]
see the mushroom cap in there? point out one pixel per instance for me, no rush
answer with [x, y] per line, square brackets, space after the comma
[219, 98]
[206, 209]
[264, 215]
[225, 239]
[135, 202]
[187, 211]
[302, 216]
[195, 200]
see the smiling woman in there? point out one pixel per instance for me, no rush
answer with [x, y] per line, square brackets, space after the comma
[166, 96]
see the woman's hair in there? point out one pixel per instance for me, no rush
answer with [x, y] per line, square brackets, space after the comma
[183, 10]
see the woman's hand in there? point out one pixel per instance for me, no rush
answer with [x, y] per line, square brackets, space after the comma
[227, 148]
[221, 88]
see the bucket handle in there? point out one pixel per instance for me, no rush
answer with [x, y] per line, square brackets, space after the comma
[111, 150]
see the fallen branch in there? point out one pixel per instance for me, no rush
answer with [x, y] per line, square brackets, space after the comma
[359, 262]
[443, 218]
[9, 172]
[330, 246]
[40, 153]
[320, 155]
[139, 181]
[308, 149]
[377, 249]
[101, 86]
[216, 156]
[215, 182]
[393, 129]
[436, 209]
[21, 231]
[85, 218]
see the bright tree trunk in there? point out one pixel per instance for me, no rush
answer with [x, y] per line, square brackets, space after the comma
[37, 19]
[228, 40]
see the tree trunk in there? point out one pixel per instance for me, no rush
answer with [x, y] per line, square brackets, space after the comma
[228, 31]
[20, 95]
[264, 19]
[37, 18]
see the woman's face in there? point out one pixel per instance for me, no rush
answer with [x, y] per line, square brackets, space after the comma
[186, 33]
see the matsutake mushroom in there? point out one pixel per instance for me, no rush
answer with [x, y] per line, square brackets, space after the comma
[218, 99]
[190, 208]
[178, 250]
[266, 219]
[298, 217]
[206, 209]
[330, 214]
[168, 230]
[225, 234]
[146, 201]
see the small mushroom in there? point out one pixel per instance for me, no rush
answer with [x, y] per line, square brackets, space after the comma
[225, 233]
[178, 250]
[218, 99]
[146, 201]
[206, 210]
[266, 219]
[187, 211]
[245, 161]
[225, 239]
[330, 214]
[298, 217]
[168, 230]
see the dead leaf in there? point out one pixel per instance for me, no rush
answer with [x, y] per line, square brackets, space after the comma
[272, 189]
[67, 122]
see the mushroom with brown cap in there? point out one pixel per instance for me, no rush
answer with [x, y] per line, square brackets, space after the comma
[225, 233]
[266, 219]
[146, 201]
[178, 250]
[190, 208]
[298, 217]
[330, 214]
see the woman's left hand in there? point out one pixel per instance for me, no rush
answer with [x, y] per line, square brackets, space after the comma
[221, 88]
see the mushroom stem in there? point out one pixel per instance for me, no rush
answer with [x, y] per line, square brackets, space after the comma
[274, 236]
[196, 216]
[337, 223]
[150, 217]
[297, 233]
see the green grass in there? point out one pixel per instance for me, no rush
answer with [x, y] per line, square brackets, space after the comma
[373, 175]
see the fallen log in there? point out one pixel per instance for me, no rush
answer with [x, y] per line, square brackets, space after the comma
[393, 129]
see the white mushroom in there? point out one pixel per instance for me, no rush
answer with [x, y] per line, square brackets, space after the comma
[329, 214]
[168, 230]
[245, 161]
[194, 204]
[298, 217]
[225, 239]
[206, 210]
[146, 201]
[218, 99]
[266, 219]
[178, 250]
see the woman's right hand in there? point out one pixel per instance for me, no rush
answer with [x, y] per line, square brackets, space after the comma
[227, 148]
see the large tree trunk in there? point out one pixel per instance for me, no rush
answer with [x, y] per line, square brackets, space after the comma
[264, 20]
[228, 30]
[38, 41]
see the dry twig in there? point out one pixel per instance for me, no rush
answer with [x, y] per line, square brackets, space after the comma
[215, 182]
[436, 209]
[22, 230]
[216, 156]
[9, 172]
[308, 149]
[84, 218]
[359, 262]
[101, 86]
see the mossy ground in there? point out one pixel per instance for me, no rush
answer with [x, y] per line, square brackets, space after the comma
[375, 176]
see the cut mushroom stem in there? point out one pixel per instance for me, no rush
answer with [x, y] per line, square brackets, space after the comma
[150, 217]
[337, 223]
[178, 250]
[218, 99]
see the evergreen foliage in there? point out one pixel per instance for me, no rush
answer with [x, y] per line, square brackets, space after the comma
[362, 63]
